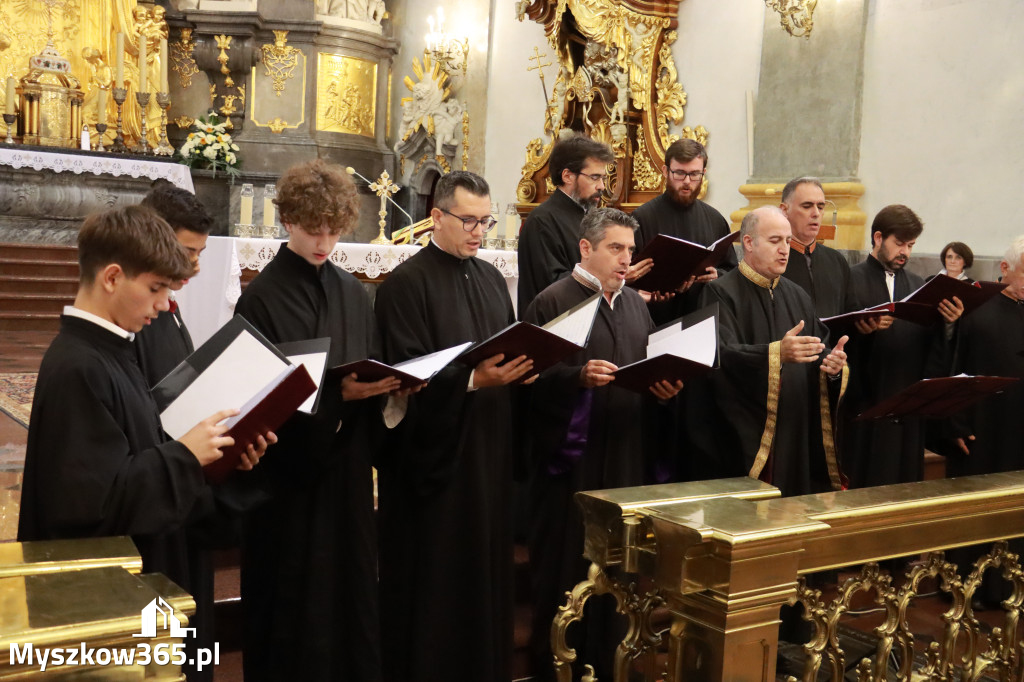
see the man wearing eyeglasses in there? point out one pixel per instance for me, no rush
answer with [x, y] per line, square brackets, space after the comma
[549, 240]
[679, 213]
[445, 486]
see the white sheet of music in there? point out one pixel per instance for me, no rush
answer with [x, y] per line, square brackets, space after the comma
[575, 327]
[242, 371]
[315, 363]
[427, 366]
[697, 343]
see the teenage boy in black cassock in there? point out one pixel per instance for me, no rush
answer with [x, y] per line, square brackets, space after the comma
[162, 345]
[445, 487]
[822, 272]
[548, 242]
[774, 390]
[893, 356]
[98, 462]
[309, 555]
[679, 213]
[586, 433]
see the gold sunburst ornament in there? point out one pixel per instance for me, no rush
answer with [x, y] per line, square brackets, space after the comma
[432, 88]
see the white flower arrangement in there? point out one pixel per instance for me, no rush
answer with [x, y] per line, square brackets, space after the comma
[211, 146]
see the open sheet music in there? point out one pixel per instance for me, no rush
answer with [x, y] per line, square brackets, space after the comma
[685, 348]
[411, 372]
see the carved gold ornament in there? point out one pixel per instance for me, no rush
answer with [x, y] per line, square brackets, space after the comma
[646, 178]
[465, 140]
[184, 122]
[280, 60]
[224, 44]
[182, 62]
[796, 16]
[346, 95]
[537, 154]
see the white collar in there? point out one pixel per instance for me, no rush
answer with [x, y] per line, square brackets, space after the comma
[72, 311]
[594, 283]
[961, 276]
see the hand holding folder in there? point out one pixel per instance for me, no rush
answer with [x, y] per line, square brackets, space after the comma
[683, 349]
[236, 368]
[677, 260]
[545, 346]
[410, 373]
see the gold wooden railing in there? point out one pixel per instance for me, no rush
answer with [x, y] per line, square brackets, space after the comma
[724, 556]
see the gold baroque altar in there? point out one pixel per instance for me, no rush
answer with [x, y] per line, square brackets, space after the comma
[617, 82]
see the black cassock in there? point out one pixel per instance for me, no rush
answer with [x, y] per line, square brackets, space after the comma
[445, 485]
[162, 344]
[309, 554]
[991, 342]
[769, 417]
[824, 274]
[697, 223]
[581, 439]
[549, 245]
[884, 451]
[98, 462]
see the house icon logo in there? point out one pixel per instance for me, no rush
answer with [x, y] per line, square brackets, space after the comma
[158, 614]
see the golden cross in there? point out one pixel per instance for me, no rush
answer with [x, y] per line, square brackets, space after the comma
[539, 68]
[384, 189]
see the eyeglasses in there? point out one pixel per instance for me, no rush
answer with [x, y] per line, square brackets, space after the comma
[694, 176]
[469, 224]
[596, 177]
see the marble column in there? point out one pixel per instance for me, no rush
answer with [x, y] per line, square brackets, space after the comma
[807, 118]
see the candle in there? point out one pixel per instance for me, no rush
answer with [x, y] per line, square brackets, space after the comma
[142, 63]
[119, 80]
[163, 66]
[9, 107]
[101, 107]
[246, 214]
[269, 193]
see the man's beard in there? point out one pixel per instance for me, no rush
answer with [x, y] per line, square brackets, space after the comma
[675, 196]
[587, 203]
[892, 265]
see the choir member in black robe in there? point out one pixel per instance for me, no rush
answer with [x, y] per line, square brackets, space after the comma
[892, 357]
[444, 486]
[98, 462]
[776, 388]
[308, 563]
[821, 271]
[162, 345]
[549, 238]
[587, 434]
[679, 213]
[989, 435]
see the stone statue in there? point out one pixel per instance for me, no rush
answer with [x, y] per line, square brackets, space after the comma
[618, 112]
[427, 99]
[369, 11]
[446, 122]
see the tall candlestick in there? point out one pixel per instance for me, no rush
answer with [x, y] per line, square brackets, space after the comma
[142, 63]
[9, 107]
[101, 107]
[163, 66]
[119, 80]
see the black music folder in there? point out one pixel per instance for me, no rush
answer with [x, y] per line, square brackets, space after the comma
[411, 373]
[677, 260]
[938, 398]
[547, 345]
[236, 368]
[679, 351]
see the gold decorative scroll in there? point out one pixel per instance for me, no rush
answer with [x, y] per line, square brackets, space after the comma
[796, 16]
[182, 62]
[465, 140]
[260, 98]
[280, 60]
[224, 44]
[346, 95]
[184, 121]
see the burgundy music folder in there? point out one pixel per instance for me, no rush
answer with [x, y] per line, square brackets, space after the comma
[677, 260]
[938, 398]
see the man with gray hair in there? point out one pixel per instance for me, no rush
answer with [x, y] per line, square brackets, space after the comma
[778, 381]
[586, 433]
[822, 272]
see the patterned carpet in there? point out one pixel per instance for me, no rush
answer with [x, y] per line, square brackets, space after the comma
[16, 391]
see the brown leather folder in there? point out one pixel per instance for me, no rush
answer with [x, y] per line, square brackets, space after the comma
[522, 338]
[937, 398]
[640, 376]
[676, 260]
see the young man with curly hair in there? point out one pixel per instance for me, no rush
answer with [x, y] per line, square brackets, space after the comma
[309, 555]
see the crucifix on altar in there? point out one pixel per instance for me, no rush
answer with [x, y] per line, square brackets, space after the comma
[384, 189]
